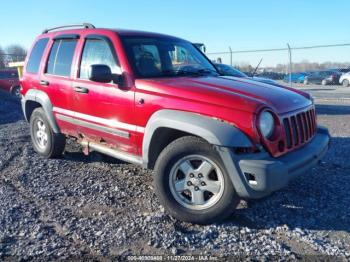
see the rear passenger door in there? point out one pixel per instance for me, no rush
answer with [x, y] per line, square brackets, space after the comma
[56, 79]
[104, 112]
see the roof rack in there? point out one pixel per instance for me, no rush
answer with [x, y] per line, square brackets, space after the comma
[83, 25]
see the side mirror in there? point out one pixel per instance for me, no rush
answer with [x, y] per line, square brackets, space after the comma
[100, 73]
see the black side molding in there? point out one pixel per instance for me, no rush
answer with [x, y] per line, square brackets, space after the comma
[96, 36]
[67, 36]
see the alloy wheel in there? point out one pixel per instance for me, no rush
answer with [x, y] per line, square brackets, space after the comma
[41, 135]
[196, 182]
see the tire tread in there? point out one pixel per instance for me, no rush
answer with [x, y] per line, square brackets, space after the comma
[58, 140]
[192, 144]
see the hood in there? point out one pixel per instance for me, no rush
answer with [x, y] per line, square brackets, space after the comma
[266, 81]
[263, 80]
[239, 93]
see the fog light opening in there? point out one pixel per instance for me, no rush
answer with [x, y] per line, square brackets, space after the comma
[251, 179]
[245, 150]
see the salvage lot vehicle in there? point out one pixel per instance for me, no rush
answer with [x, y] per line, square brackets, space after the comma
[345, 80]
[341, 70]
[157, 101]
[9, 81]
[226, 70]
[270, 75]
[327, 77]
[295, 77]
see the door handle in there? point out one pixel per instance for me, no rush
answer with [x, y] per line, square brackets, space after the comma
[44, 83]
[80, 89]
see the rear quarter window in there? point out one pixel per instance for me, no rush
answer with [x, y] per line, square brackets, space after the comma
[36, 56]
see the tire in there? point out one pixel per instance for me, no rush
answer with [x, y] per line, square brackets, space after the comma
[192, 151]
[324, 82]
[306, 82]
[345, 83]
[16, 91]
[45, 142]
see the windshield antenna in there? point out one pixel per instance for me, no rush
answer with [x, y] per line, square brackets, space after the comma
[256, 68]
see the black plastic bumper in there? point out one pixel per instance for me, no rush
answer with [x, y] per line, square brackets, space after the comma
[257, 175]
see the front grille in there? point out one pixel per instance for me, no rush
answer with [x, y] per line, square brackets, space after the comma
[299, 128]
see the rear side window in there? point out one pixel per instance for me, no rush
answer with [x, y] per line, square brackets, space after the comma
[8, 75]
[36, 55]
[97, 51]
[61, 57]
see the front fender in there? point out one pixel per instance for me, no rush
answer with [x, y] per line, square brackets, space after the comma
[214, 131]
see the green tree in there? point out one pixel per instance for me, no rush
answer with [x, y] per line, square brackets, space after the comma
[16, 53]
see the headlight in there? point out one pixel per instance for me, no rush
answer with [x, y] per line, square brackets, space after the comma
[266, 124]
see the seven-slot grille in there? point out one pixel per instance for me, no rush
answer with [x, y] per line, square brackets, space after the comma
[300, 128]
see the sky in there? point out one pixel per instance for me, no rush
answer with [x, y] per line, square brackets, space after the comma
[242, 25]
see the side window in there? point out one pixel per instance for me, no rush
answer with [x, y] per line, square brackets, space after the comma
[8, 75]
[61, 57]
[36, 55]
[97, 51]
[12, 75]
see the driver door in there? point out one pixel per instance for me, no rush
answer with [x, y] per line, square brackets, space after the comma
[103, 111]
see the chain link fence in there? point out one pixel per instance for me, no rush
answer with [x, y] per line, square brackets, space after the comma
[289, 62]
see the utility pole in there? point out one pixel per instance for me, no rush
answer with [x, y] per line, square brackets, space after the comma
[290, 64]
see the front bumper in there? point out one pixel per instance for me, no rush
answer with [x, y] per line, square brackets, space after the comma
[257, 175]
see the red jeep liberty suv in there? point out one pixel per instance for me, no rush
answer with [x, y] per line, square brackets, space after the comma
[157, 101]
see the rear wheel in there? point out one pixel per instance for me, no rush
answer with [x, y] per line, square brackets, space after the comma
[192, 183]
[345, 83]
[44, 140]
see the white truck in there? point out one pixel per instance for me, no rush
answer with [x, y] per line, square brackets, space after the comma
[345, 79]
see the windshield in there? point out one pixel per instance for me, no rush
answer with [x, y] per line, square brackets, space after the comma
[165, 57]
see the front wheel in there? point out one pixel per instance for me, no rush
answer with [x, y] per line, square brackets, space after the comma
[192, 183]
[45, 141]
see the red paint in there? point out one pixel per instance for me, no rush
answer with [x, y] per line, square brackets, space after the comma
[235, 101]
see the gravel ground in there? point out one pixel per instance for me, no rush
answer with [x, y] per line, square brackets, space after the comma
[101, 208]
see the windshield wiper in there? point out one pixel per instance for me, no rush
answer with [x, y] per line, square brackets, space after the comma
[199, 72]
[178, 72]
[206, 71]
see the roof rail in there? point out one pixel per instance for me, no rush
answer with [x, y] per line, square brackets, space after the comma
[84, 25]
